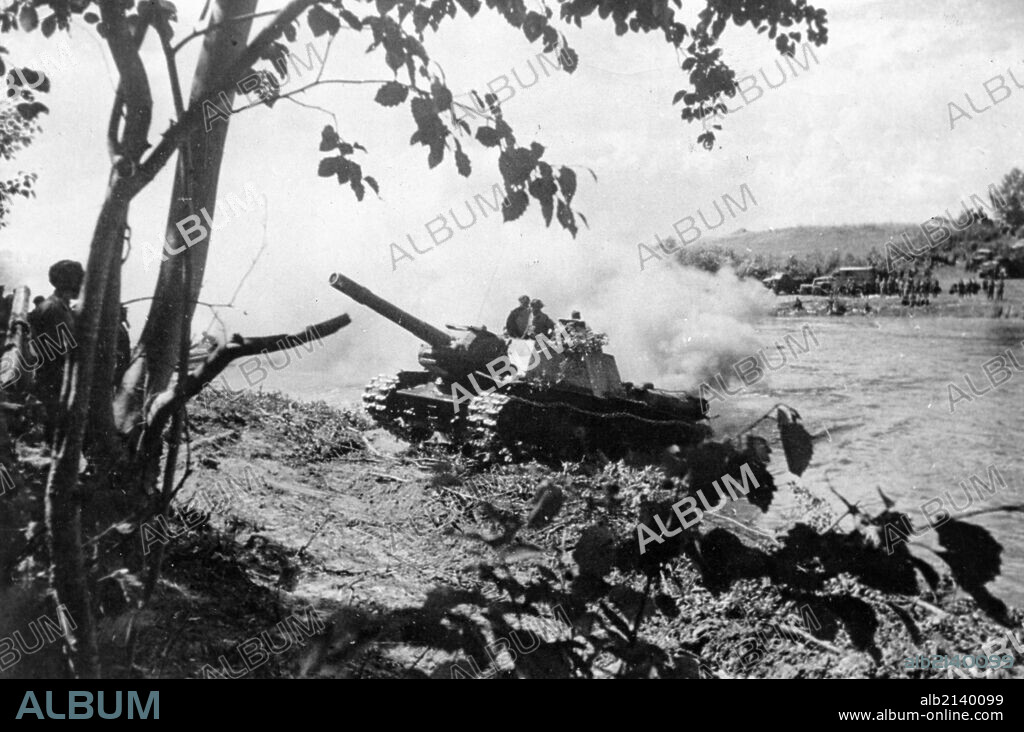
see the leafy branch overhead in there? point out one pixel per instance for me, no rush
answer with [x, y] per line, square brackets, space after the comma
[398, 29]
[19, 123]
[439, 120]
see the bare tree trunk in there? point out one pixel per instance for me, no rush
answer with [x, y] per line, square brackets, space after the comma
[63, 491]
[195, 188]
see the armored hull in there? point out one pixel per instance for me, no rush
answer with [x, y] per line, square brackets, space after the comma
[522, 419]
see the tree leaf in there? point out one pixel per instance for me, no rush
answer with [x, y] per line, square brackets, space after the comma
[344, 169]
[328, 139]
[462, 163]
[567, 182]
[514, 205]
[349, 17]
[357, 187]
[570, 59]
[566, 219]
[420, 18]
[49, 25]
[516, 164]
[28, 18]
[372, 182]
[470, 6]
[547, 207]
[442, 96]
[436, 154]
[31, 110]
[488, 136]
[328, 167]
[392, 94]
[320, 21]
[533, 26]
[383, 6]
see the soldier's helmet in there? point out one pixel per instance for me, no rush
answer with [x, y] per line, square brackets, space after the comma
[536, 304]
[67, 274]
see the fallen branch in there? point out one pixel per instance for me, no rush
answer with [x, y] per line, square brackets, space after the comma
[237, 347]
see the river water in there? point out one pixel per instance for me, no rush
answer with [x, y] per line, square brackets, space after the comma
[880, 391]
[877, 391]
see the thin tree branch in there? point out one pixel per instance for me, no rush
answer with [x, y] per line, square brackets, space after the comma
[172, 72]
[311, 84]
[328, 112]
[197, 33]
[179, 131]
[197, 302]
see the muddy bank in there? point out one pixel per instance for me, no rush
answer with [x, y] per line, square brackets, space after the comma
[307, 543]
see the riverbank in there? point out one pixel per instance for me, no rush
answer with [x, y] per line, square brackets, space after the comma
[415, 562]
[876, 306]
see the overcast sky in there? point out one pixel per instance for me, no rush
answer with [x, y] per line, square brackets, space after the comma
[862, 136]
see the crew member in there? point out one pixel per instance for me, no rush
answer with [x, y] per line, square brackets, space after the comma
[518, 319]
[540, 323]
[46, 320]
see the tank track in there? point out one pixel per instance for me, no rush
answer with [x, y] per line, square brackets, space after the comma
[378, 402]
[482, 436]
[561, 431]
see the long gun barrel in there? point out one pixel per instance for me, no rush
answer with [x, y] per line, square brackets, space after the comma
[16, 343]
[424, 331]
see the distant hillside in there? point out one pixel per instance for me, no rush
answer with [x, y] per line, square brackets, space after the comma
[801, 241]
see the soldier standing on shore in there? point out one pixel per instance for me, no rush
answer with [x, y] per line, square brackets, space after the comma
[47, 321]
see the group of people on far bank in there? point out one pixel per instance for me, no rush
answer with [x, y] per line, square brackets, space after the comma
[992, 289]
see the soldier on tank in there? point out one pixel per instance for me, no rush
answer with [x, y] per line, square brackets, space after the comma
[518, 319]
[540, 323]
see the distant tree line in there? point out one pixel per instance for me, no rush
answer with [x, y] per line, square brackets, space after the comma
[970, 230]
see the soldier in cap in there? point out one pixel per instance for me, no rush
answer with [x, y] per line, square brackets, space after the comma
[540, 323]
[518, 319]
[52, 323]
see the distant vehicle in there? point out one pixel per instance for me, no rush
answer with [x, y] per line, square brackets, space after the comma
[995, 268]
[781, 283]
[980, 257]
[821, 286]
[854, 280]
